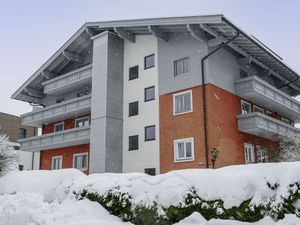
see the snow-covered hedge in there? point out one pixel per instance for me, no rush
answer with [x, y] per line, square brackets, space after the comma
[245, 193]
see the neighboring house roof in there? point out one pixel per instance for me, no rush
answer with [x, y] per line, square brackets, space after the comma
[216, 28]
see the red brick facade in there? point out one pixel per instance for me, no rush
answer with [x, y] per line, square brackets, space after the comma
[222, 129]
[67, 152]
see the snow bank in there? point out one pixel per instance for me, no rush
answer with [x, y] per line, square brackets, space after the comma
[233, 184]
[30, 209]
[197, 219]
[52, 185]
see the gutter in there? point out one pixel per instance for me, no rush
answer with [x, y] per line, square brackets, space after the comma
[204, 92]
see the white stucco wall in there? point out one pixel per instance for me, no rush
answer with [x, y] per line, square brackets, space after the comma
[147, 156]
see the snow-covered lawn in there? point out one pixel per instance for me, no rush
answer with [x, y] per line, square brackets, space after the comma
[47, 197]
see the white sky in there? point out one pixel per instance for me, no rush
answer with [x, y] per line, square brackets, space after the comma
[33, 30]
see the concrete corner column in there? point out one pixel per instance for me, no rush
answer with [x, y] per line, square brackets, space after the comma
[107, 104]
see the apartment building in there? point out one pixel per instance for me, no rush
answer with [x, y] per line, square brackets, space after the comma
[154, 95]
[12, 126]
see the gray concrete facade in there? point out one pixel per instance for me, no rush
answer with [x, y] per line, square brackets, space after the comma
[107, 104]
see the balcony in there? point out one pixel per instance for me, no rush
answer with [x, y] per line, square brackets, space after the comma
[70, 81]
[68, 109]
[70, 137]
[261, 125]
[262, 93]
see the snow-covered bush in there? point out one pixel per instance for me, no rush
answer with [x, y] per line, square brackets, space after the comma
[245, 193]
[288, 149]
[8, 155]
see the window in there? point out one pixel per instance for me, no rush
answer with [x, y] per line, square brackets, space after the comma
[56, 162]
[285, 120]
[82, 122]
[150, 133]
[133, 108]
[184, 149]
[133, 142]
[249, 153]
[149, 61]
[246, 107]
[21, 167]
[181, 66]
[262, 155]
[59, 100]
[133, 72]
[150, 171]
[82, 93]
[22, 133]
[149, 93]
[258, 109]
[58, 127]
[80, 161]
[182, 102]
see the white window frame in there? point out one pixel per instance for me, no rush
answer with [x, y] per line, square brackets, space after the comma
[60, 162]
[247, 161]
[63, 123]
[87, 163]
[185, 140]
[259, 150]
[179, 61]
[81, 118]
[247, 103]
[259, 108]
[174, 102]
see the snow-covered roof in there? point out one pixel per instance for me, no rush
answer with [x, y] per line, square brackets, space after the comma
[210, 27]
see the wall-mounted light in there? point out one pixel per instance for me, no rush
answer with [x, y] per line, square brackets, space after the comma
[214, 155]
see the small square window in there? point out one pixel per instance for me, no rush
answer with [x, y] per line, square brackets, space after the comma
[134, 72]
[80, 161]
[150, 171]
[182, 103]
[22, 133]
[133, 142]
[56, 162]
[82, 122]
[58, 127]
[133, 108]
[246, 107]
[149, 61]
[181, 66]
[59, 100]
[184, 149]
[149, 94]
[150, 133]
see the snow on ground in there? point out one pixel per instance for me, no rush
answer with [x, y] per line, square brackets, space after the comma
[46, 198]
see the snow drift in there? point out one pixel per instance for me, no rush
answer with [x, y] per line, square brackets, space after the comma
[257, 192]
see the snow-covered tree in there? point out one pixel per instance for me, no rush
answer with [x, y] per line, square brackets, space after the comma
[8, 155]
[288, 149]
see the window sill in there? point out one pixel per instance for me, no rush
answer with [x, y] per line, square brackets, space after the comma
[184, 160]
[178, 114]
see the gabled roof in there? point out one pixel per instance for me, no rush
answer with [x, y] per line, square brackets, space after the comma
[213, 27]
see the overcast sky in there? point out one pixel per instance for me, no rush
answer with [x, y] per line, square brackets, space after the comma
[32, 30]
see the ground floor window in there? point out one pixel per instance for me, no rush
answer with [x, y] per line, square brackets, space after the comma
[262, 155]
[150, 171]
[80, 161]
[56, 162]
[249, 153]
[184, 149]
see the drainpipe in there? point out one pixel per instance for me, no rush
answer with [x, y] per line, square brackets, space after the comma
[204, 94]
